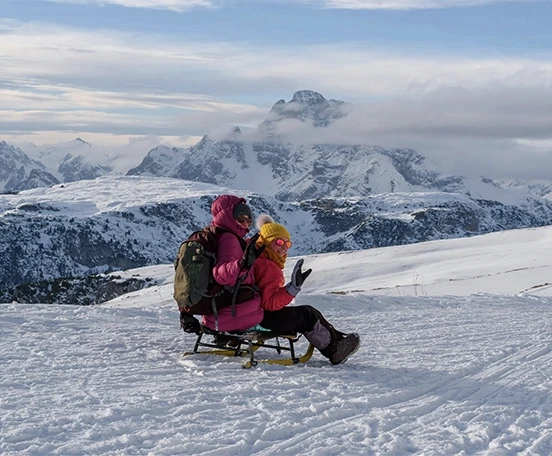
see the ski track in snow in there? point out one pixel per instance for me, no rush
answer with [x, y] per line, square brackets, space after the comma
[434, 376]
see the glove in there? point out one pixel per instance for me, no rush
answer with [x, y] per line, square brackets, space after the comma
[298, 277]
[252, 252]
[189, 323]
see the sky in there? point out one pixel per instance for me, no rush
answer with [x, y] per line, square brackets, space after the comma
[455, 359]
[465, 82]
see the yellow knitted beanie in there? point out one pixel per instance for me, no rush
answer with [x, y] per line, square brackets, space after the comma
[270, 230]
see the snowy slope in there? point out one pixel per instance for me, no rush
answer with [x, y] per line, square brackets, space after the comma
[443, 370]
[509, 262]
[122, 222]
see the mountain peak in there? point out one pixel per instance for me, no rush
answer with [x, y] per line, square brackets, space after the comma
[308, 97]
[80, 141]
[278, 105]
[305, 105]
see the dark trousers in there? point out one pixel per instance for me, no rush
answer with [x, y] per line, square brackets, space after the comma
[303, 319]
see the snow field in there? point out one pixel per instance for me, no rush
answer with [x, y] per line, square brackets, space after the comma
[434, 375]
[444, 369]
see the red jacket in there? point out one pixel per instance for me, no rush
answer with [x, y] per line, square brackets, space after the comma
[227, 269]
[270, 279]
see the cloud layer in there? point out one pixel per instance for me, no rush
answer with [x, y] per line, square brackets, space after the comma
[171, 5]
[108, 83]
[186, 5]
[403, 4]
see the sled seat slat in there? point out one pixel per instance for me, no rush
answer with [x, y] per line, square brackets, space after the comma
[253, 334]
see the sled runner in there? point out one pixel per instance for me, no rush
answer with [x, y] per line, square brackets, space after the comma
[246, 343]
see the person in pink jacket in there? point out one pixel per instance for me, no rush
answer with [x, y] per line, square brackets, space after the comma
[233, 215]
[278, 316]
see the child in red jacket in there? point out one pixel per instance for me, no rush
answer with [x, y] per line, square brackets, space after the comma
[269, 277]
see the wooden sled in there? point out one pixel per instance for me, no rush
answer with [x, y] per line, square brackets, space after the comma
[246, 343]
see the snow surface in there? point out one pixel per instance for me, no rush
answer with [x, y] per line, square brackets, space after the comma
[86, 198]
[455, 360]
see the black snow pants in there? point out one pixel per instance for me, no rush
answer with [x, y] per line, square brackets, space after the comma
[306, 320]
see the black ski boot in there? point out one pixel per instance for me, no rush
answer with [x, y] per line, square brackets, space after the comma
[340, 350]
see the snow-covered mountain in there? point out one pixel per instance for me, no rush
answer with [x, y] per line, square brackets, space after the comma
[264, 162]
[51, 154]
[70, 161]
[542, 190]
[292, 172]
[78, 168]
[455, 360]
[47, 165]
[160, 161]
[121, 222]
[267, 163]
[19, 172]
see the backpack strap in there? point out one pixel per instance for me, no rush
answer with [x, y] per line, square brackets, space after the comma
[215, 312]
[237, 286]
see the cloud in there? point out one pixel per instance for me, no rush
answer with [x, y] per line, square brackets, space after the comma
[187, 5]
[497, 111]
[106, 83]
[36, 95]
[496, 130]
[171, 5]
[456, 153]
[404, 4]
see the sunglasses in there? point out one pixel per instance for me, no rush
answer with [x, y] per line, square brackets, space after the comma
[281, 242]
[244, 219]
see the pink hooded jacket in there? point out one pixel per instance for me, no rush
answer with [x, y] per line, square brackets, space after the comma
[227, 269]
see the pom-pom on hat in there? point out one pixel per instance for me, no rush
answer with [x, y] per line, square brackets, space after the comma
[242, 209]
[269, 230]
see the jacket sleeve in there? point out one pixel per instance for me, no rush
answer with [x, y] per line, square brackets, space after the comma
[229, 254]
[270, 279]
